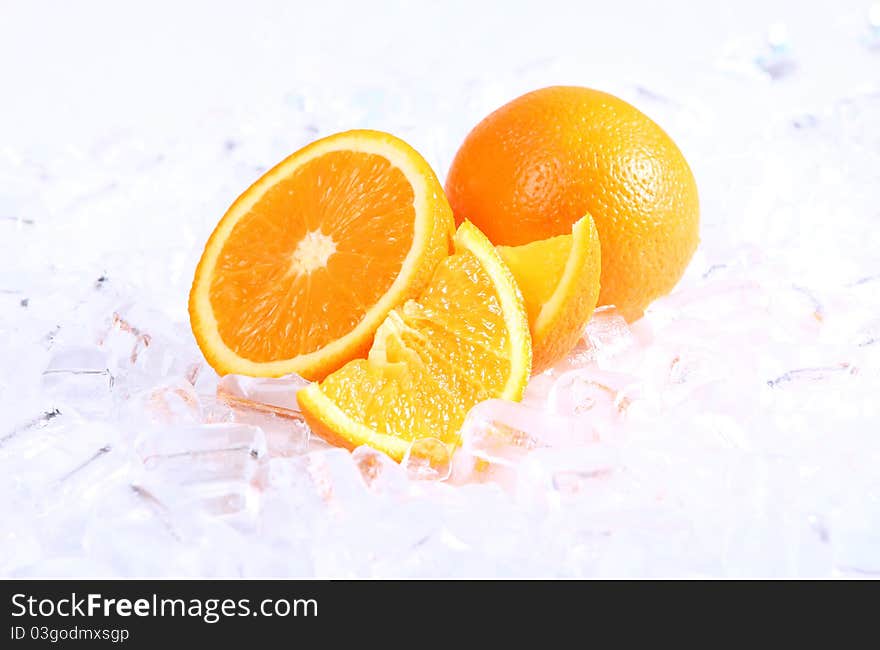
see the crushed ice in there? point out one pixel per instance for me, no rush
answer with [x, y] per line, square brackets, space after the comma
[733, 431]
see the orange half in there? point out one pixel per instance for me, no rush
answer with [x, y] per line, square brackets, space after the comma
[306, 264]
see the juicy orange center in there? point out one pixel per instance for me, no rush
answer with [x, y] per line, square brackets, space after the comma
[312, 252]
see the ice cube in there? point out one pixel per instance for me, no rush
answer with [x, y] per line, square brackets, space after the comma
[608, 335]
[172, 403]
[146, 348]
[78, 377]
[380, 473]
[270, 392]
[270, 404]
[598, 399]
[124, 341]
[497, 435]
[98, 473]
[212, 468]
[428, 459]
[502, 431]
[285, 435]
[326, 481]
[49, 454]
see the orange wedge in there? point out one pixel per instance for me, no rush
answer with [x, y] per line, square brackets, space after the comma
[559, 280]
[463, 340]
[308, 262]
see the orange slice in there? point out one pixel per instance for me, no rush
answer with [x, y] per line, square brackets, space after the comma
[559, 280]
[306, 264]
[464, 340]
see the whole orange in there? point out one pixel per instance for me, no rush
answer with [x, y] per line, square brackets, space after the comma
[536, 165]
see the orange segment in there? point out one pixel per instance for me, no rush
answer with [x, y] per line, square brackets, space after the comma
[559, 280]
[307, 263]
[465, 339]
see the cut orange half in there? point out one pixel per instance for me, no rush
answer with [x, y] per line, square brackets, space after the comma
[559, 279]
[308, 262]
[465, 339]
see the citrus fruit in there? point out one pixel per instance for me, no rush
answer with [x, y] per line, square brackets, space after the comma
[537, 164]
[463, 340]
[306, 264]
[559, 280]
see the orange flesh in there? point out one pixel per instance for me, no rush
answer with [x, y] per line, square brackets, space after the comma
[318, 249]
[559, 278]
[538, 283]
[429, 362]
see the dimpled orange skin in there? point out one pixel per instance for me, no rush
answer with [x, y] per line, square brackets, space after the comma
[532, 168]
